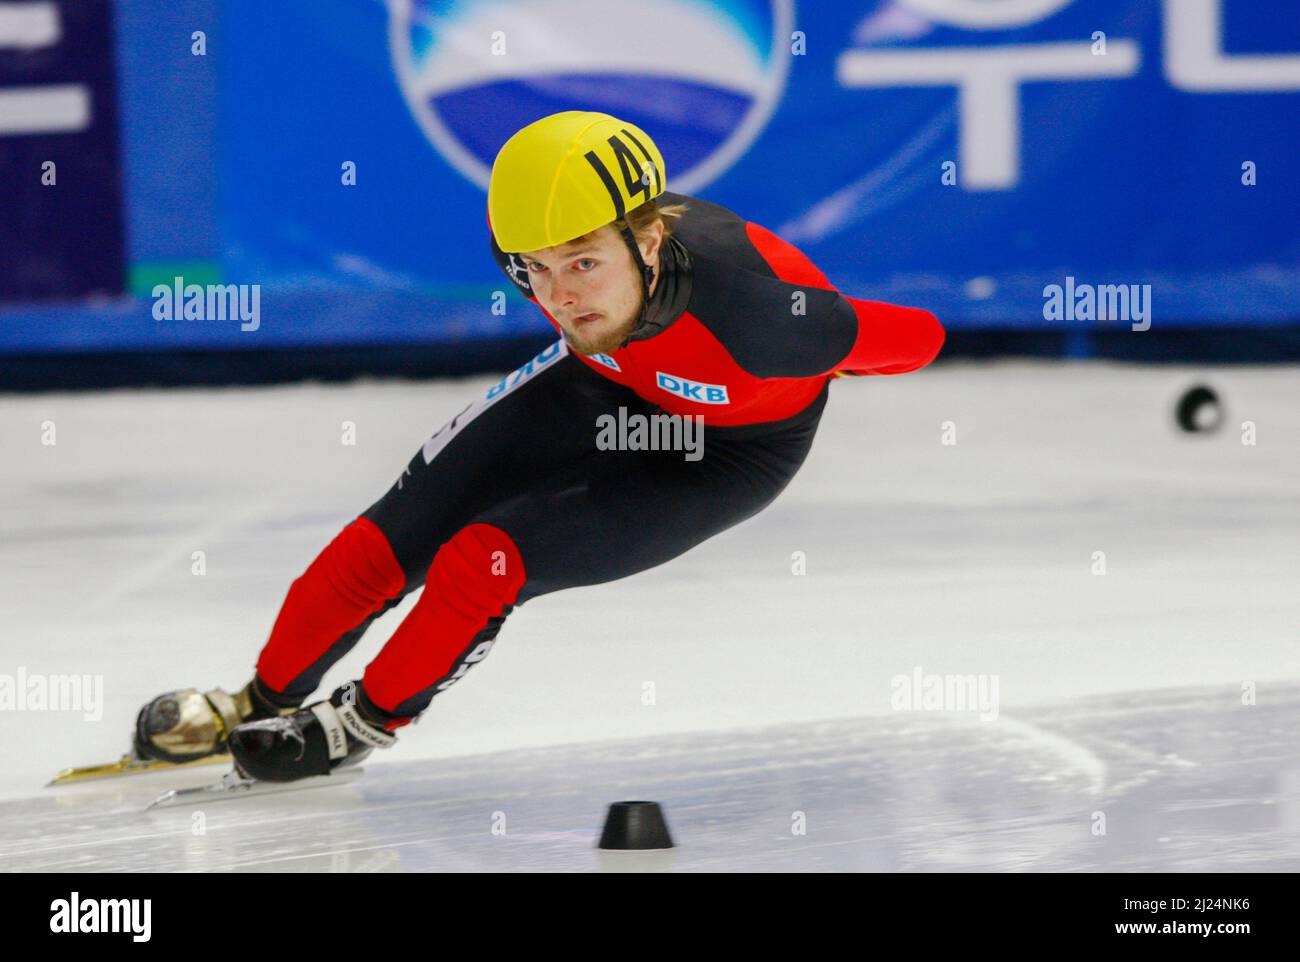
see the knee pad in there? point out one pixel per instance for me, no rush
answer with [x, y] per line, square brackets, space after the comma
[478, 572]
[359, 567]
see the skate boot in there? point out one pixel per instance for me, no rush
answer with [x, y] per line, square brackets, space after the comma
[182, 726]
[314, 740]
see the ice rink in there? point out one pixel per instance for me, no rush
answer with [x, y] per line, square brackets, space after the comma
[1159, 700]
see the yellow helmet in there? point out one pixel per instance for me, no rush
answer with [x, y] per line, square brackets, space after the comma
[568, 174]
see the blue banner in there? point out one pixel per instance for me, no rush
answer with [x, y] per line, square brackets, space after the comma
[978, 157]
[61, 231]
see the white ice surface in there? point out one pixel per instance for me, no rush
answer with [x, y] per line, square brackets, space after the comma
[973, 558]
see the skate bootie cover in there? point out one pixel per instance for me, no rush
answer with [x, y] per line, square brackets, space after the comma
[182, 726]
[312, 741]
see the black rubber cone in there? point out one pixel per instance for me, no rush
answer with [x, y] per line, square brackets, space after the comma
[635, 825]
[1199, 410]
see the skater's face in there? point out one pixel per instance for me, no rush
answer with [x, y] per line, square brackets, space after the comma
[591, 286]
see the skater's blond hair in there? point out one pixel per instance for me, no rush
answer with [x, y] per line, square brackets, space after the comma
[640, 219]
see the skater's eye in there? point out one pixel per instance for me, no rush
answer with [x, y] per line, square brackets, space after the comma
[535, 267]
[586, 260]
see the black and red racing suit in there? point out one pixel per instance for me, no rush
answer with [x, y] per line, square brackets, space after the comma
[514, 497]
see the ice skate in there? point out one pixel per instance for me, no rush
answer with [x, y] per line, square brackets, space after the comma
[183, 726]
[315, 740]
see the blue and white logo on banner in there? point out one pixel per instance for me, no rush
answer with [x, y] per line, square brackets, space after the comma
[704, 76]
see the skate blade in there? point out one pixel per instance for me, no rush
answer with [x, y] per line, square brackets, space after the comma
[129, 765]
[234, 785]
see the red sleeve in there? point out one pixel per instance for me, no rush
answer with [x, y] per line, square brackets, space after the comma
[891, 339]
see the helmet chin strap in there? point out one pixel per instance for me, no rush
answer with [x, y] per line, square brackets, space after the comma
[647, 275]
